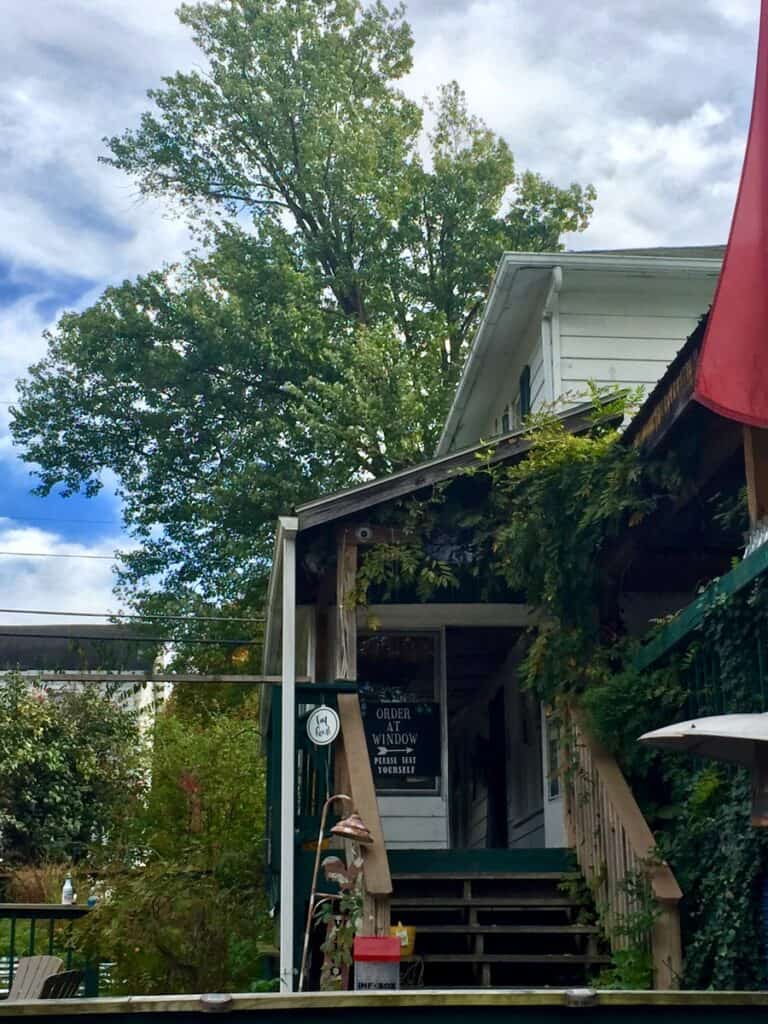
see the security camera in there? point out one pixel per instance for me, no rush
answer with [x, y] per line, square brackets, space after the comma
[363, 534]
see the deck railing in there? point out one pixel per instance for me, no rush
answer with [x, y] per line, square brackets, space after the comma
[636, 893]
[31, 929]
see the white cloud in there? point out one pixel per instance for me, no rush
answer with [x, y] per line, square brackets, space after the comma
[641, 99]
[740, 12]
[61, 584]
[69, 78]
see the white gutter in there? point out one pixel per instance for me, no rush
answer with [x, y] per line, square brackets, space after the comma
[509, 274]
[289, 526]
[558, 262]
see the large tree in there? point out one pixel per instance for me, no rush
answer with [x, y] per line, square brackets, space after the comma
[316, 335]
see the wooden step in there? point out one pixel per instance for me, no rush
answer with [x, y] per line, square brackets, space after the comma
[502, 902]
[506, 929]
[507, 958]
[486, 876]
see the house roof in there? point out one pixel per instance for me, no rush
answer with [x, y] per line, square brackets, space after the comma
[705, 252]
[670, 396]
[356, 499]
[519, 296]
[73, 647]
[334, 507]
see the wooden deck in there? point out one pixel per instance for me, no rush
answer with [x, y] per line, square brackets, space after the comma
[525, 1007]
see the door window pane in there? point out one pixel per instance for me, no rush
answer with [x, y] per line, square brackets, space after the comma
[398, 675]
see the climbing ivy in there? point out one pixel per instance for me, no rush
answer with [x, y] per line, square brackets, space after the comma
[540, 528]
[699, 810]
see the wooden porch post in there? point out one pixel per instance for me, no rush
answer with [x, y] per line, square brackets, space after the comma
[667, 948]
[376, 911]
[346, 617]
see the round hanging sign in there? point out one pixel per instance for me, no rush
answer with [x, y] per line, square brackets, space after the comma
[323, 726]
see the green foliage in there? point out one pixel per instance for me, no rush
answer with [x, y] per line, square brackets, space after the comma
[342, 920]
[317, 335]
[632, 961]
[700, 811]
[631, 968]
[552, 513]
[68, 762]
[538, 526]
[184, 906]
[542, 527]
[720, 862]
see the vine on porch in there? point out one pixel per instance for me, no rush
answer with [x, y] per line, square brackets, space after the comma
[540, 528]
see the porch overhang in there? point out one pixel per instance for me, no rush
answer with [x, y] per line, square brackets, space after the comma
[508, 447]
[335, 507]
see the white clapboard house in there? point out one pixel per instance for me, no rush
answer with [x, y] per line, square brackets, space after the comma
[473, 806]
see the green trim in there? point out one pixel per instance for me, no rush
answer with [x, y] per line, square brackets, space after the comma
[433, 862]
[693, 615]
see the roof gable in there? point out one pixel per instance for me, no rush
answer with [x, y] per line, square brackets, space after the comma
[522, 294]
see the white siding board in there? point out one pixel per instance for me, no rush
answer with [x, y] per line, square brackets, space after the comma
[688, 302]
[409, 832]
[538, 379]
[625, 280]
[411, 806]
[579, 390]
[531, 354]
[662, 349]
[618, 371]
[412, 845]
[616, 326]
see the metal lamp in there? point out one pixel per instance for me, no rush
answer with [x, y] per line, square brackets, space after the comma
[352, 828]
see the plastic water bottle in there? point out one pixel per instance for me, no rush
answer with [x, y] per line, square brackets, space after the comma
[67, 892]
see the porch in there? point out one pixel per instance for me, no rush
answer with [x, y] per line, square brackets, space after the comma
[530, 1007]
[446, 756]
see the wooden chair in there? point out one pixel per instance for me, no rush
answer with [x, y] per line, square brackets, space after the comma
[31, 974]
[64, 985]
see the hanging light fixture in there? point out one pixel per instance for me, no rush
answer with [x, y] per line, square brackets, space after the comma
[353, 828]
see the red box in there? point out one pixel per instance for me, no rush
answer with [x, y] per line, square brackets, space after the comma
[376, 949]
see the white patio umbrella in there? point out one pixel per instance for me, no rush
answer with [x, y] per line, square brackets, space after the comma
[719, 737]
[739, 739]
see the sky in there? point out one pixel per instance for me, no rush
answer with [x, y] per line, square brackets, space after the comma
[647, 99]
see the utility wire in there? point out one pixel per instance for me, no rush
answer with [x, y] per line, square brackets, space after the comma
[55, 554]
[130, 639]
[131, 615]
[58, 519]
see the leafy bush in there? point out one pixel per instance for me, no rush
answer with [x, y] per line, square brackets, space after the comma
[184, 909]
[68, 761]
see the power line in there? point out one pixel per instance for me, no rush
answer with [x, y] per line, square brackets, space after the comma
[54, 554]
[131, 615]
[130, 639]
[58, 519]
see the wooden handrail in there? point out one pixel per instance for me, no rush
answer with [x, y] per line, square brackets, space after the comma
[615, 846]
[378, 881]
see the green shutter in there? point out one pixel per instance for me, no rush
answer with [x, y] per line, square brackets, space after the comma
[525, 392]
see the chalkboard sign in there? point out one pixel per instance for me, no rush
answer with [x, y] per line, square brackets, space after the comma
[403, 739]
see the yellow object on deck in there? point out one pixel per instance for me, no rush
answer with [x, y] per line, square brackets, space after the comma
[407, 936]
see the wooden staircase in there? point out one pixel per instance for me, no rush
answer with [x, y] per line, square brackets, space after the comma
[492, 928]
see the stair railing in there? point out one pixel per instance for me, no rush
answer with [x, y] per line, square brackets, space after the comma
[616, 852]
[354, 776]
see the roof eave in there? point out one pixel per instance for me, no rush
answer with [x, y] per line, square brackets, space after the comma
[406, 481]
